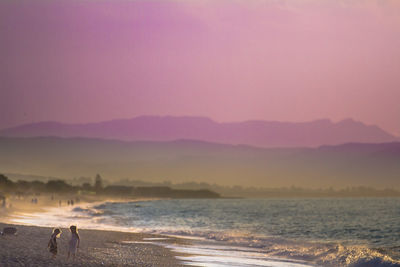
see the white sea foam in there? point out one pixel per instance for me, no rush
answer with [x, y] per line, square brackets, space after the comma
[211, 247]
[219, 255]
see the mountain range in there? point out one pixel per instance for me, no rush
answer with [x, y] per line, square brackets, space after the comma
[254, 133]
[351, 164]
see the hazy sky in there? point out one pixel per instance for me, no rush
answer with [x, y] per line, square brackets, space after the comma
[298, 60]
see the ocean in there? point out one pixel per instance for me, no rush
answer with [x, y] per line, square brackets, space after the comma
[255, 232]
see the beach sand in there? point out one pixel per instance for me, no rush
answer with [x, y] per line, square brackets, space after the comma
[98, 247]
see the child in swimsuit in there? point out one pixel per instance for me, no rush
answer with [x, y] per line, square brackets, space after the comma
[52, 245]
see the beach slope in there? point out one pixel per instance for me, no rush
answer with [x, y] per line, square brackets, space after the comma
[98, 247]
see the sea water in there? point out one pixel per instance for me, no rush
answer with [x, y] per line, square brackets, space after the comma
[263, 232]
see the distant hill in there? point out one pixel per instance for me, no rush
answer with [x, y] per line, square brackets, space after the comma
[182, 161]
[255, 133]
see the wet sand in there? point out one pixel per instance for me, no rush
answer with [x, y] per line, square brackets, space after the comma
[98, 247]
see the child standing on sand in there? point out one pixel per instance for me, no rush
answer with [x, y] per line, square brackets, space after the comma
[52, 245]
[74, 242]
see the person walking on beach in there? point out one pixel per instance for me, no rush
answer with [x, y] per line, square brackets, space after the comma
[52, 245]
[73, 242]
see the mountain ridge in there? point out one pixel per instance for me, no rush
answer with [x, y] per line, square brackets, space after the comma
[251, 132]
[343, 165]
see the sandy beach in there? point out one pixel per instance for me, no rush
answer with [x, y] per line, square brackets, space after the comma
[98, 247]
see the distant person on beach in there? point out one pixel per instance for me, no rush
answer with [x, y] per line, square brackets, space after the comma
[52, 245]
[73, 242]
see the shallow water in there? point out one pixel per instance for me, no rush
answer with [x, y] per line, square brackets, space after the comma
[375, 222]
[329, 232]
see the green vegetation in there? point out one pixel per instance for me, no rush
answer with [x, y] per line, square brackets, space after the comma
[61, 187]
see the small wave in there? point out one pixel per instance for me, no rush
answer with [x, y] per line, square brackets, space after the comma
[375, 262]
[92, 211]
[79, 209]
[325, 254]
[318, 253]
[101, 206]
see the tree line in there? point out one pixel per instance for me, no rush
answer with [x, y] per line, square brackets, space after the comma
[60, 186]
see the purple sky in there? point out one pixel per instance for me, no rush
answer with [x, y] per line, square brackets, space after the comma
[231, 60]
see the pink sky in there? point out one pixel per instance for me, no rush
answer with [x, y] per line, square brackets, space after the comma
[231, 60]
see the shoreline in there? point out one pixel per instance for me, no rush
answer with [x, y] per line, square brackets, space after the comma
[122, 246]
[20, 206]
[117, 247]
[99, 247]
[178, 249]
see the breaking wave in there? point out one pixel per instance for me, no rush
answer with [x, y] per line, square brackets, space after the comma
[236, 232]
